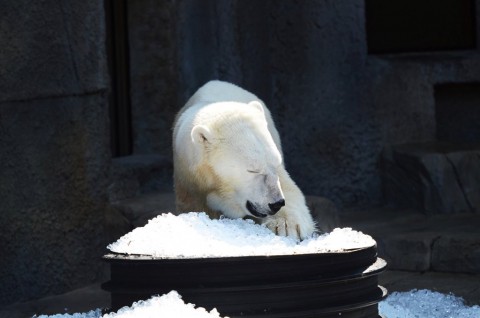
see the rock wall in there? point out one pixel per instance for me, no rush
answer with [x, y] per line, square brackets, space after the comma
[437, 178]
[54, 143]
[153, 73]
[306, 60]
[335, 105]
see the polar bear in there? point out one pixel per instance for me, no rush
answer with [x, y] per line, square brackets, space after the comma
[228, 161]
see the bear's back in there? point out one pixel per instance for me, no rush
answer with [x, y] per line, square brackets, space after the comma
[218, 91]
[213, 92]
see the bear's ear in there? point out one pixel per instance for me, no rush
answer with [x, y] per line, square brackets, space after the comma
[201, 134]
[257, 105]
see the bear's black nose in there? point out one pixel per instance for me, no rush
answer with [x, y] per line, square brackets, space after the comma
[275, 207]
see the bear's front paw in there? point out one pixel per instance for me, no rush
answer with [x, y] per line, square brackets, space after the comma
[295, 226]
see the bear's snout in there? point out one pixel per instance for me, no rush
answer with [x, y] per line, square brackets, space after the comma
[275, 207]
[254, 211]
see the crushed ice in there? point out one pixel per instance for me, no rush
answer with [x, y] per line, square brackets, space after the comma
[91, 314]
[169, 305]
[426, 304]
[195, 235]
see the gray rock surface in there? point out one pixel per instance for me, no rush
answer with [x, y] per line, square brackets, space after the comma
[324, 213]
[139, 174]
[53, 177]
[457, 253]
[277, 51]
[140, 209]
[412, 241]
[410, 251]
[154, 77]
[300, 58]
[437, 178]
[54, 146]
[79, 300]
[52, 48]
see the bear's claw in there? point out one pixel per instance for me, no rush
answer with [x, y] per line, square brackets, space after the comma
[293, 226]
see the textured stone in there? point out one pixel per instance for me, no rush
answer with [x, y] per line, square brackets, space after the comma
[324, 213]
[466, 166]
[300, 57]
[116, 223]
[80, 300]
[410, 240]
[433, 177]
[153, 73]
[457, 112]
[142, 208]
[53, 174]
[410, 251]
[52, 48]
[457, 253]
[276, 50]
[139, 174]
[54, 139]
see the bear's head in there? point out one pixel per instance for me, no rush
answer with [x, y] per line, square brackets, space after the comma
[237, 161]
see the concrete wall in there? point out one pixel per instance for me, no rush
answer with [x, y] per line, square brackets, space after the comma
[54, 146]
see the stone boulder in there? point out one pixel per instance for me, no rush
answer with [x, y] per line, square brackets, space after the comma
[324, 213]
[438, 178]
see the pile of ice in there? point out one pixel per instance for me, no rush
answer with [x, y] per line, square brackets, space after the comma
[195, 235]
[426, 304]
[170, 305]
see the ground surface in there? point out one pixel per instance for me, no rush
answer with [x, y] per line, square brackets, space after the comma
[92, 297]
[407, 239]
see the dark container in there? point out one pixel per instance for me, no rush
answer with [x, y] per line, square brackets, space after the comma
[340, 284]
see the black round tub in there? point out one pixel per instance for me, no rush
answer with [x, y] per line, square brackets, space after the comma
[333, 284]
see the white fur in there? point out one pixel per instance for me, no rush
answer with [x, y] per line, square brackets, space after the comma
[227, 151]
